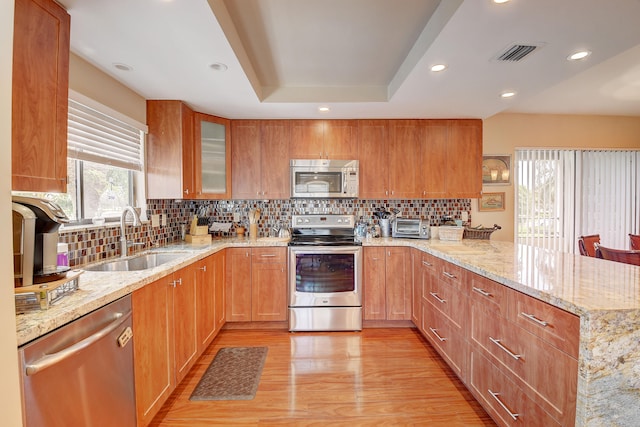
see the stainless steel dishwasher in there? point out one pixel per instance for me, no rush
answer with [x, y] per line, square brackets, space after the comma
[82, 373]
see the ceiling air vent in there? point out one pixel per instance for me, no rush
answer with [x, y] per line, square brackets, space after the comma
[516, 52]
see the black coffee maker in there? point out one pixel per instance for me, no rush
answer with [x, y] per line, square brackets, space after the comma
[38, 239]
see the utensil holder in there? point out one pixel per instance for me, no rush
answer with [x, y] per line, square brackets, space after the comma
[253, 231]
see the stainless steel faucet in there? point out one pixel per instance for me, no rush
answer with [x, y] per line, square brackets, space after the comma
[124, 244]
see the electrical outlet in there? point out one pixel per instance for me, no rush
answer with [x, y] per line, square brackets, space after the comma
[155, 220]
[464, 215]
[236, 217]
[163, 218]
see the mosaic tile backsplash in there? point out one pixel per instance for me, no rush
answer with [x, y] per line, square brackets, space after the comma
[97, 243]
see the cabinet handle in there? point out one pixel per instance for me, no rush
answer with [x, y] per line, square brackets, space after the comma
[495, 396]
[203, 268]
[172, 283]
[435, 295]
[449, 275]
[386, 192]
[535, 319]
[177, 282]
[505, 349]
[425, 263]
[434, 332]
[186, 191]
[268, 255]
[482, 292]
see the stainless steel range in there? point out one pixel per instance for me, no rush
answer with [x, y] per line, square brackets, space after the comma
[325, 274]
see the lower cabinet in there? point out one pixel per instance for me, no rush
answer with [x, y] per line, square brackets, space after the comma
[256, 284]
[387, 283]
[174, 319]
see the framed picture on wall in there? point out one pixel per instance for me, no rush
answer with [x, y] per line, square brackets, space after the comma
[491, 202]
[496, 170]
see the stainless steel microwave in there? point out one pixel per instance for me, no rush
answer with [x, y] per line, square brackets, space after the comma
[324, 178]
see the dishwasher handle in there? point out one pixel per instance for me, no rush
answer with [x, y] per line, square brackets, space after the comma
[52, 359]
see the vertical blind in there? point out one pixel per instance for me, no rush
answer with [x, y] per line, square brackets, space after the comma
[563, 194]
[100, 138]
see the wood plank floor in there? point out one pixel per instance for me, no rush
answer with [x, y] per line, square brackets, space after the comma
[374, 377]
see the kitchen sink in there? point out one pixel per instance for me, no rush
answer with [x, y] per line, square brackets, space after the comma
[137, 263]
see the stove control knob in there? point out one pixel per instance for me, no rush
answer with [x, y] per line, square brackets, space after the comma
[339, 221]
[307, 220]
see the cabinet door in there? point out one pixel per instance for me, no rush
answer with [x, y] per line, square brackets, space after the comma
[184, 320]
[40, 96]
[374, 284]
[398, 283]
[238, 289]
[404, 159]
[373, 149]
[464, 159]
[205, 302]
[219, 260]
[245, 159]
[152, 347]
[269, 291]
[416, 288]
[212, 157]
[306, 139]
[169, 150]
[434, 159]
[340, 139]
[274, 166]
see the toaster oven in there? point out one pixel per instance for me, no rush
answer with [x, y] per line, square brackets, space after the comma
[410, 228]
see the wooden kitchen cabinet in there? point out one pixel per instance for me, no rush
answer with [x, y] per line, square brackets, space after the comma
[260, 159]
[405, 141]
[210, 284]
[387, 283]
[324, 139]
[425, 270]
[40, 90]
[256, 284]
[373, 146]
[170, 150]
[184, 320]
[219, 275]
[212, 156]
[153, 348]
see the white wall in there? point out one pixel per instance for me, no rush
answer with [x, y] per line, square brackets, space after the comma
[10, 406]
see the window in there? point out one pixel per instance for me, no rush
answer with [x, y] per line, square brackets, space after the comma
[564, 194]
[104, 162]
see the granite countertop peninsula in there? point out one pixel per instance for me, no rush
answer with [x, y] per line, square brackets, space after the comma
[604, 294]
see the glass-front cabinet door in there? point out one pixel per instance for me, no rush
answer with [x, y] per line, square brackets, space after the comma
[213, 157]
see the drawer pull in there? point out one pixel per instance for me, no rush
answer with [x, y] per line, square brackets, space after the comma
[495, 396]
[203, 268]
[440, 300]
[482, 292]
[505, 349]
[434, 332]
[449, 275]
[535, 319]
[427, 264]
[268, 255]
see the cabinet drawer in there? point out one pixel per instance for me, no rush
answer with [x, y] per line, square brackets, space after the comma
[502, 398]
[449, 301]
[268, 255]
[554, 325]
[429, 262]
[452, 275]
[489, 294]
[446, 338]
[548, 376]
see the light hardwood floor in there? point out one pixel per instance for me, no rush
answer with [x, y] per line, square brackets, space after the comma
[374, 377]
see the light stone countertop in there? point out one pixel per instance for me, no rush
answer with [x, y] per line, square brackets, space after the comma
[605, 295]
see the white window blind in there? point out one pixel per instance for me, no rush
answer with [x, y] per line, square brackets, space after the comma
[97, 137]
[564, 194]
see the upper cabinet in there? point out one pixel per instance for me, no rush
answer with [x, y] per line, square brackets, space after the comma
[188, 153]
[373, 145]
[170, 151]
[40, 96]
[324, 139]
[212, 157]
[260, 159]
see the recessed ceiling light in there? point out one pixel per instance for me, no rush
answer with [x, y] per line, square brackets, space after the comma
[122, 67]
[500, 1]
[438, 67]
[581, 54]
[323, 109]
[219, 66]
[508, 94]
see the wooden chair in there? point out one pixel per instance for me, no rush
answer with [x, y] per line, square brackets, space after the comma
[586, 244]
[618, 255]
[634, 240]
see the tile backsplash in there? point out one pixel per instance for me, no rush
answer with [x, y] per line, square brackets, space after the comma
[97, 243]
